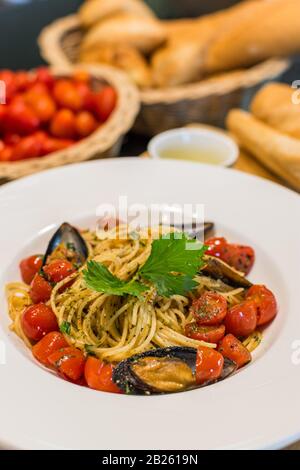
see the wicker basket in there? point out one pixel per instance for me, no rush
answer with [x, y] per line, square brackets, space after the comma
[106, 141]
[207, 101]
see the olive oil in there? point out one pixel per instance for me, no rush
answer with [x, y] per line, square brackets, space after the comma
[212, 155]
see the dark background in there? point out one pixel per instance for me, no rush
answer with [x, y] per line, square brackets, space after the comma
[22, 20]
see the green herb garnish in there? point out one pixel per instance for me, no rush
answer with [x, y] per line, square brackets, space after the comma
[170, 269]
[65, 327]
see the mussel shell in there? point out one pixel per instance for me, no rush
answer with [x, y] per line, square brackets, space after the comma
[125, 378]
[194, 231]
[217, 269]
[67, 234]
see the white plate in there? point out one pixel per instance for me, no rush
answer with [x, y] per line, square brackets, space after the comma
[256, 408]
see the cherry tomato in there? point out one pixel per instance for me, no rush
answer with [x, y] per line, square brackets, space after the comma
[44, 76]
[241, 319]
[30, 266]
[105, 102]
[63, 124]
[210, 334]
[43, 106]
[12, 139]
[23, 80]
[58, 270]
[69, 362]
[209, 309]
[48, 345]
[6, 153]
[87, 96]
[51, 145]
[98, 375]
[234, 350]
[209, 364]
[3, 115]
[36, 88]
[8, 77]
[37, 321]
[66, 95]
[85, 123]
[216, 246]
[82, 76]
[239, 257]
[20, 119]
[28, 147]
[265, 301]
[40, 289]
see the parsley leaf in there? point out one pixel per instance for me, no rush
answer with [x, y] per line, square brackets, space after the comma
[97, 277]
[65, 327]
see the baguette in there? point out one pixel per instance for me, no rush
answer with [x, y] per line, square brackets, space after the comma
[93, 11]
[278, 152]
[264, 29]
[274, 105]
[145, 34]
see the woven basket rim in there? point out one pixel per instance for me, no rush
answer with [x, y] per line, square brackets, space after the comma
[51, 51]
[121, 120]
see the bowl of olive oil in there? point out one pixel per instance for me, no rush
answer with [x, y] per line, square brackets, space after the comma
[202, 145]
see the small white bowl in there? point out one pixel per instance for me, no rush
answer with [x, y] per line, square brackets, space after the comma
[203, 145]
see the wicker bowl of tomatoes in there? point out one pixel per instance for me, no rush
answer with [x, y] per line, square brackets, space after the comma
[64, 115]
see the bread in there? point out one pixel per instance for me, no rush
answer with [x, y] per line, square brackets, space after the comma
[274, 105]
[278, 152]
[263, 29]
[145, 34]
[123, 57]
[92, 11]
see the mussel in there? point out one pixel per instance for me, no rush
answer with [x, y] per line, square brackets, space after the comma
[162, 370]
[217, 269]
[68, 240]
[196, 230]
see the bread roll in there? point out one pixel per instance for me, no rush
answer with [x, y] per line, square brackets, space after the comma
[145, 34]
[274, 105]
[278, 152]
[124, 57]
[264, 29]
[92, 11]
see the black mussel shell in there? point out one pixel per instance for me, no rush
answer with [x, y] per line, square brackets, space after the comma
[125, 378]
[217, 269]
[194, 231]
[69, 236]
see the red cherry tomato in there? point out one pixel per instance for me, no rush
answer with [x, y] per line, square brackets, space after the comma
[210, 309]
[28, 147]
[3, 115]
[239, 257]
[216, 246]
[12, 139]
[30, 266]
[40, 289]
[20, 119]
[48, 345]
[82, 76]
[265, 301]
[209, 365]
[63, 124]
[44, 76]
[37, 321]
[42, 105]
[241, 319]
[210, 334]
[6, 153]
[98, 375]
[66, 95]
[69, 362]
[87, 96]
[52, 144]
[85, 123]
[23, 80]
[8, 77]
[105, 102]
[58, 270]
[234, 350]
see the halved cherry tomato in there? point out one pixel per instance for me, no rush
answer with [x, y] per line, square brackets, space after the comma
[209, 309]
[40, 289]
[105, 102]
[30, 266]
[238, 256]
[98, 375]
[58, 270]
[38, 320]
[66, 95]
[63, 124]
[241, 319]
[209, 365]
[234, 350]
[85, 123]
[210, 334]
[265, 301]
[69, 362]
[48, 345]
